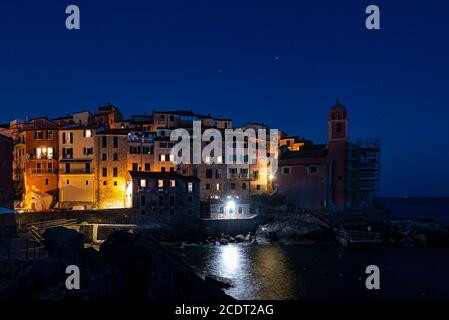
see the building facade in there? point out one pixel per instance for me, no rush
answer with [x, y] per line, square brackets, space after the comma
[6, 173]
[77, 183]
[164, 197]
[111, 164]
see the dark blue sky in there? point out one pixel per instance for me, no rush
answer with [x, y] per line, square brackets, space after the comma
[220, 57]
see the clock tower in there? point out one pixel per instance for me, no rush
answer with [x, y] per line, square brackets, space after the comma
[337, 143]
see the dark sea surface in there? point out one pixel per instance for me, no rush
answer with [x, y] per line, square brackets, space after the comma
[322, 271]
[434, 208]
[329, 272]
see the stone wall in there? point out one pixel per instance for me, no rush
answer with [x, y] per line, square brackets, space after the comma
[122, 216]
[212, 227]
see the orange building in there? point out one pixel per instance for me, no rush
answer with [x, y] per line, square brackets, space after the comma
[37, 166]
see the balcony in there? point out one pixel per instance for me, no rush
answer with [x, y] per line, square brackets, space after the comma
[77, 171]
[44, 171]
[235, 175]
[32, 156]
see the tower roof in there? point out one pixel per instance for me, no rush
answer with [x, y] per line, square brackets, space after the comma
[337, 111]
[338, 106]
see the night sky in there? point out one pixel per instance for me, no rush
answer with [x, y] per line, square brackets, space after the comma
[282, 63]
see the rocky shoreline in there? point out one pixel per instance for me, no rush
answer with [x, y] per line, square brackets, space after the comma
[312, 229]
[127, 266]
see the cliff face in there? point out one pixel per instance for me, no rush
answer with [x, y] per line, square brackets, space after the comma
[128, 266]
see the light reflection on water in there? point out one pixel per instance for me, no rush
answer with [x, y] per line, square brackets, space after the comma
[255, 274]
[321, 272]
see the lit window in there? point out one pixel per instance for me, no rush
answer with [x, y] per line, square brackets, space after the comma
[143, 183]
[218, 187]
[160, 183]
[207, 160]
[190, 187]
[162, 157]
[172, 183]
[172, 157]
[88, 133]
[219, 159]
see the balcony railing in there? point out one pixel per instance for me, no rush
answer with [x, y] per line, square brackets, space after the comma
[238, 175]
[33, 156]
[76, 171]
[44, 171]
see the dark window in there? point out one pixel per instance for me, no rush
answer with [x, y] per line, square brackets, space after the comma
[312, 169]
[46, 182]
[172, 200]
[115, 172]
[104, 157]
[147, 167]
[142, 200]
[161, 201]
[207, 186]
[104, 142]
[87, 167]
[71, 137]
[286, 170]
[115, 183]
[244, 186]
[115, 142]
[338, 127]
[232, 186]
[256, 174]
[104, 182]
[105, 172]
[134, 166]
[209, 174]
[258, 187]
[67, 168]
[115, 157]
[189, 198]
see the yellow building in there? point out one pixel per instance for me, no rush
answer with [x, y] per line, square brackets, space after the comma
[111, 163]
[77, 183]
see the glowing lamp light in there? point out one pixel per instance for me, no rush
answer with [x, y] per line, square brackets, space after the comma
[230, 206]
[271, 177]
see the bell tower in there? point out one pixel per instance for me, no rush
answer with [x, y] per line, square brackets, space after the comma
[337, 142]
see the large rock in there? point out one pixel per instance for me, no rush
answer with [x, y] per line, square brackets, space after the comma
[63, 243]
[239, 238]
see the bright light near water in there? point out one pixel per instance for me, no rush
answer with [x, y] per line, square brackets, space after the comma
[230, 206]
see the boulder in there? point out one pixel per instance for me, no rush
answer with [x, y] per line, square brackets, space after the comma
[406, 242]
[239, 238]
[63, 243]
[219, 282]
[420, 240]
